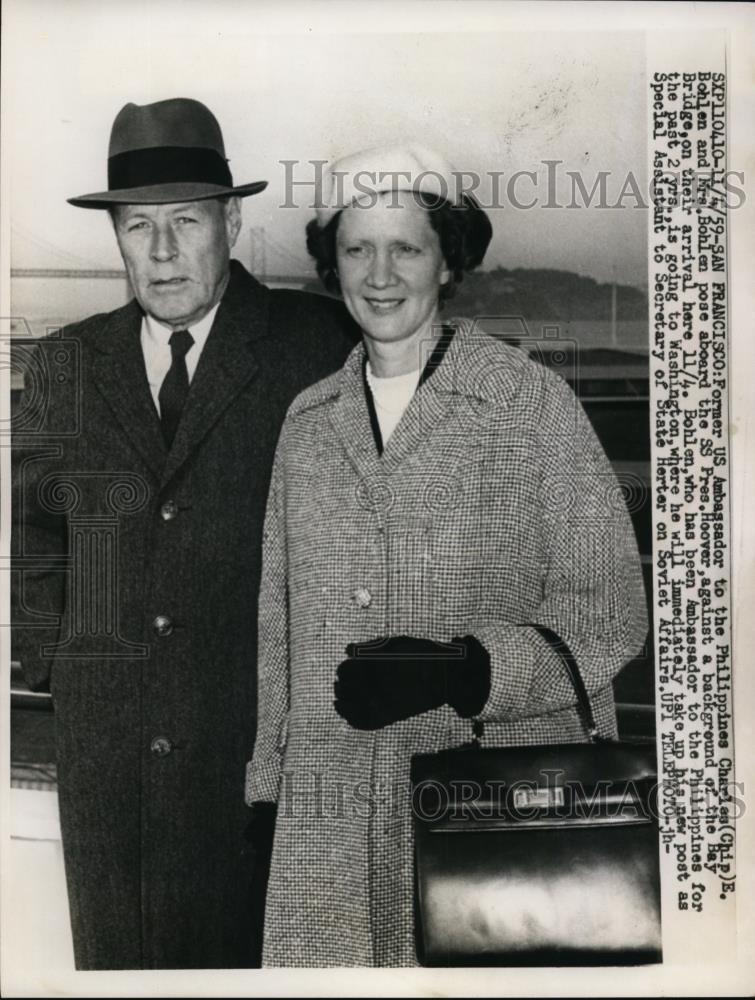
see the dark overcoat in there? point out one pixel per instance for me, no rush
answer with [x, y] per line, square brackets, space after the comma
[146, 565]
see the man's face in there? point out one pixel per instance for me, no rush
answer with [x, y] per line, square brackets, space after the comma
[177, 256]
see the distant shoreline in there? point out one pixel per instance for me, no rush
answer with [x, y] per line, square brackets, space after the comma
[559, 307]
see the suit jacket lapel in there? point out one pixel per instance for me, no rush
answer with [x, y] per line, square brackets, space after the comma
[427, 408]
[351, 422]
[120, 376]
[470, 375]
[418, 422]
[226, 365]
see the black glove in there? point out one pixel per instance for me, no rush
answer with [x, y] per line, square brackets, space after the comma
[400, 676]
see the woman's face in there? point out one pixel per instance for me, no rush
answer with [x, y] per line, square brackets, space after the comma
[390, 267]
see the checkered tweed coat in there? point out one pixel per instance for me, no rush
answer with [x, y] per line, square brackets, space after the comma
[493, 505]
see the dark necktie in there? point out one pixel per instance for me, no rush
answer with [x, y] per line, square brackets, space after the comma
[175, 387]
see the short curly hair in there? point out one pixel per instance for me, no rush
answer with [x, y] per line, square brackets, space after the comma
[464, 233]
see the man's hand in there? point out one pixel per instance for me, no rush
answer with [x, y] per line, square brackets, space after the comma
[260, 829]
[397, 677]
[260, 833]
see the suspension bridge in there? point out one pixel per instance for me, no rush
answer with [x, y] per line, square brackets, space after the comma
[291, 270]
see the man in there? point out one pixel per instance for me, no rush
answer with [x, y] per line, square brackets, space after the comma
[138, 546]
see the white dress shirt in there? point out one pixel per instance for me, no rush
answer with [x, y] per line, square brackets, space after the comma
[155, 340]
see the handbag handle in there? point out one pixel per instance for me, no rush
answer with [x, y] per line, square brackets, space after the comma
[559, 647]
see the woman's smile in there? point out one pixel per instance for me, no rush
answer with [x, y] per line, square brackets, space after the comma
[380, 306]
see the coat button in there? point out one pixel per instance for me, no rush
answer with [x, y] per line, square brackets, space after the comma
[162, 625]
[169, 510]
[161, 746]
[362, 597]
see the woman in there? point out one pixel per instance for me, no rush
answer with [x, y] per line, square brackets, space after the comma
[438, 494]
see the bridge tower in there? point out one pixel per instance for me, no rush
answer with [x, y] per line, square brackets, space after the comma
[258, 255]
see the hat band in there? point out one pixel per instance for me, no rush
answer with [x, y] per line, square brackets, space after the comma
[167, 165]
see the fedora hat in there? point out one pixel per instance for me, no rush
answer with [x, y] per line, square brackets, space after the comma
[166, 152]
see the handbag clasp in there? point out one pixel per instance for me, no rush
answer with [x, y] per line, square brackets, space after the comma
[538, 798]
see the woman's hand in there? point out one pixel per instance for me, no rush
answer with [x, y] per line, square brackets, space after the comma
[396, 677]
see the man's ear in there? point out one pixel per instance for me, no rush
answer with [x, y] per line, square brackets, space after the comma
[232, 220]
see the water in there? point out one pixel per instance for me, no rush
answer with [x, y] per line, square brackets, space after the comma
[41, 304]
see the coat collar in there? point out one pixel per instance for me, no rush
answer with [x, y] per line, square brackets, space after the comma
[476, 365]
[475, 368]
[226, 364]
[119, 374]
[350, 417]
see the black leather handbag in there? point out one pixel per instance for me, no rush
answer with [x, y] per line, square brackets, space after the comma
[538, 855]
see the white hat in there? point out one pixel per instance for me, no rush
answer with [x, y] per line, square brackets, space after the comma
[361, 177]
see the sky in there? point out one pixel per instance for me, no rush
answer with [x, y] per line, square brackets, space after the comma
[287, 89]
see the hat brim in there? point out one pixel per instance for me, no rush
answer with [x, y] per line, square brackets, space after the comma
[164, 194]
